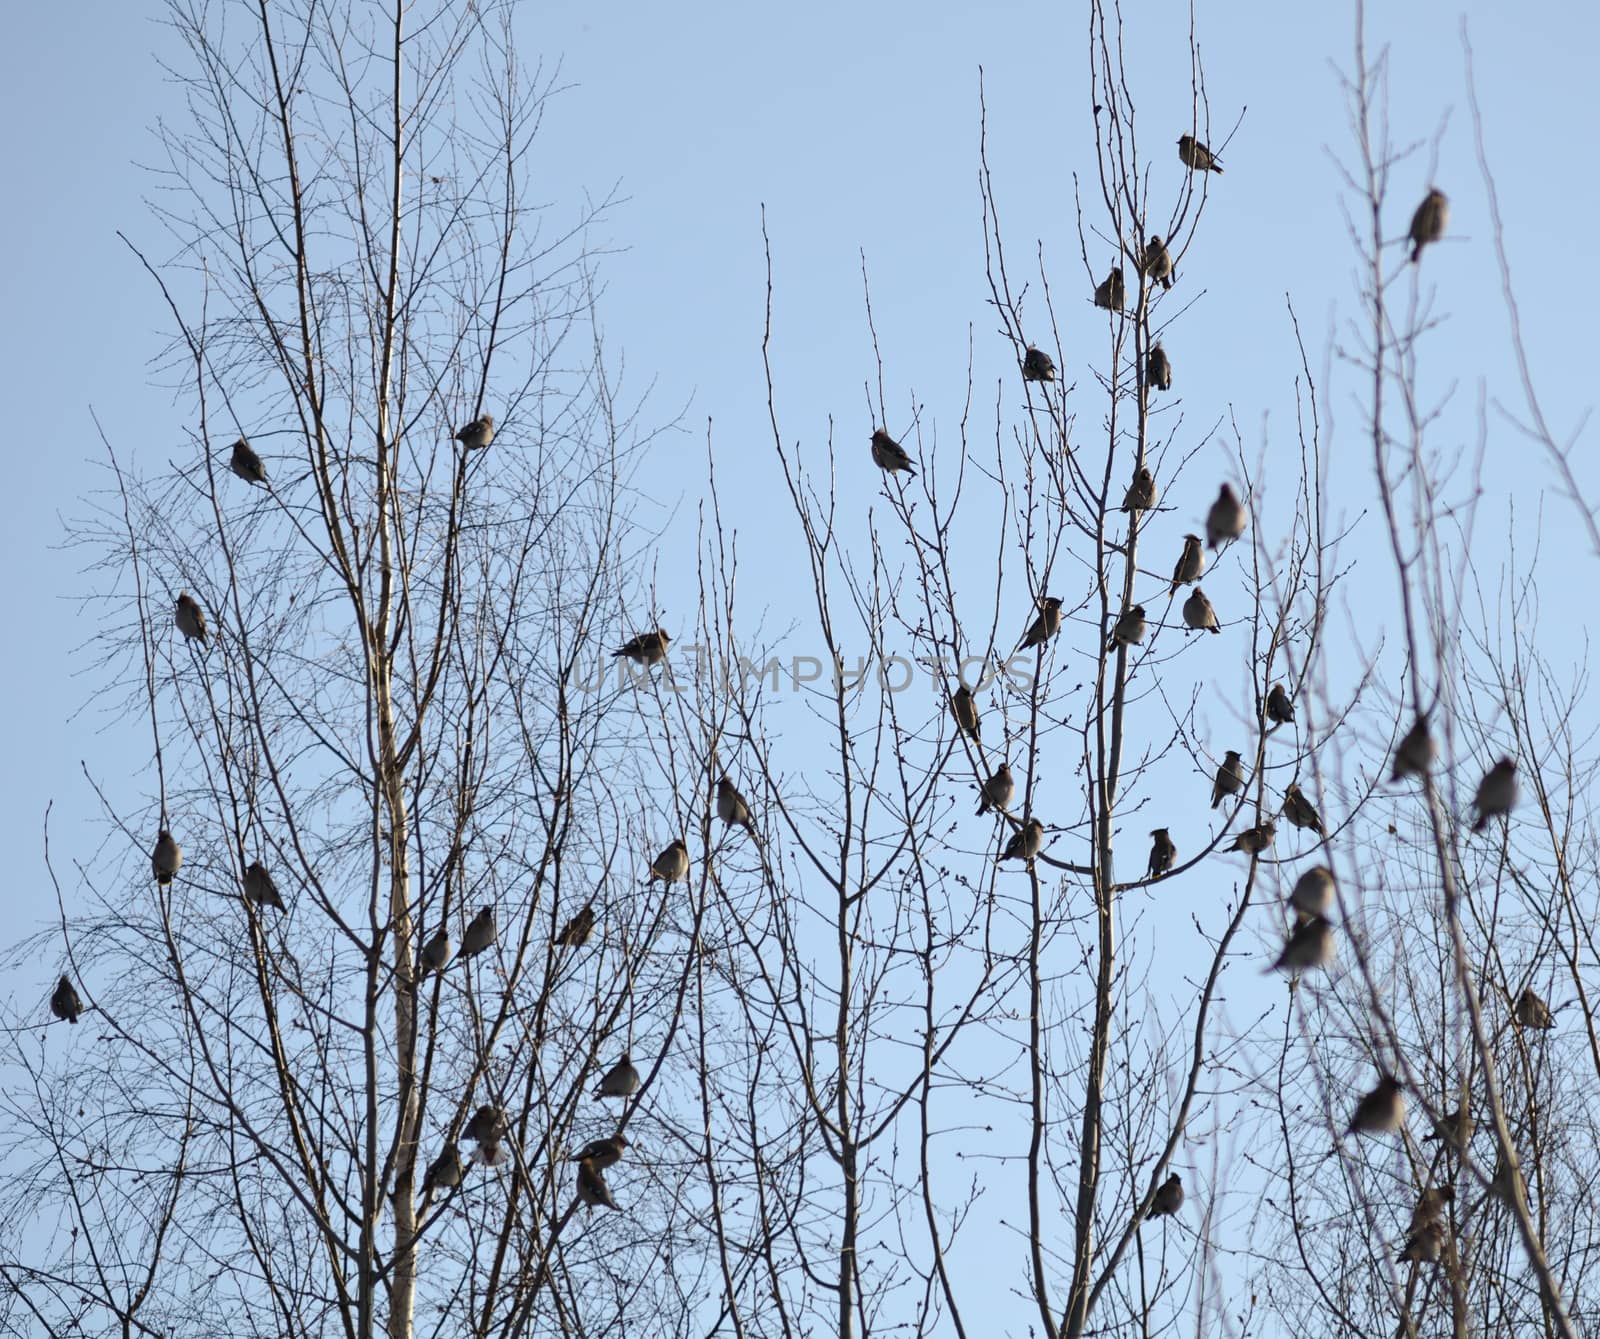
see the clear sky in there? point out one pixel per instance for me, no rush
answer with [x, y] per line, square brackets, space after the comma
[857, 127]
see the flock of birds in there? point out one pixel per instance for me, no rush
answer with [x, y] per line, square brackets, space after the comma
[1310, 946]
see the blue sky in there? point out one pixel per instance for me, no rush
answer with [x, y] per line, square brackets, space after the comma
[856, 126]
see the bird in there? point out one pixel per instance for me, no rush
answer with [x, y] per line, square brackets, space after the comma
[1415, 753]
[435, 952]
[648, 648]
[1454, 1128]
[191, 618]
[477, 434]
[1191, 563]
[731, 806]
[602, 1153]
[1168, 1198]
[996, 792]
[1195, 156]
[1025, 841]
[1037, 365]
[1198, 613]
[445, 1171]
[592, 1187]
[1253, 841]
[479, 934]
[888, 455]
[1229, 780]
[166, 858]
[1043, 628]
[1227, 518]
[64, 1001]
[621, 1080]
[247, 464]
[1497, 793]
[487, 1129]
[1156, 261]
[1430, 1205]
[575, 933]
[965, 710]
[1310, 946]
[1280, 709]
[1158, 369]
[259, 887]
[672, 865]
[1533, 1012]
[1112, 292]
[1162, 853]
[1382, 1111]
[1141, 494]
[1130, 628]
[1299, 810]
[1426, 1244]
[1429, 222]
[1313, 891]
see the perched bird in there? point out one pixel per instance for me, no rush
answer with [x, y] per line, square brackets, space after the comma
[1299, 810]
[487, 1129]
[1037, 365]
[672, 865]
[1454, 1128]
[1533, 1012]
[1158, 369]
[1497, 793]
[1191, 563]
[602, 1153]
[247, 464]
[1227, 518]
[166, 858]
[488, 1122]
[64, 1001]
[997, 791]
[1311, 946]
[1313, 891]
[1425, 1245]
[1043, 628]
[1111, 294]
[889, 455]
[1253, 841]
[621, 1080]
[592, 1188]
[1195, 156]
[479, 935]
[1230, 778]
[1198, 613]
[1429, 222]
[1168, 1198]
[1414, 755]
[1024, 843]
[435, 952]
[477, 434]
[1162, 853]
[1430, 1205]
[191, 618]
[445, 1171]
[1141, 494]
[965, 710]
[1130, 628]
[1280, 709]
[259, 887]
[1155, 261]
[1382, 1111]
[575, 933]
[731, 806]
[648, 648]
[1507, 1179]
